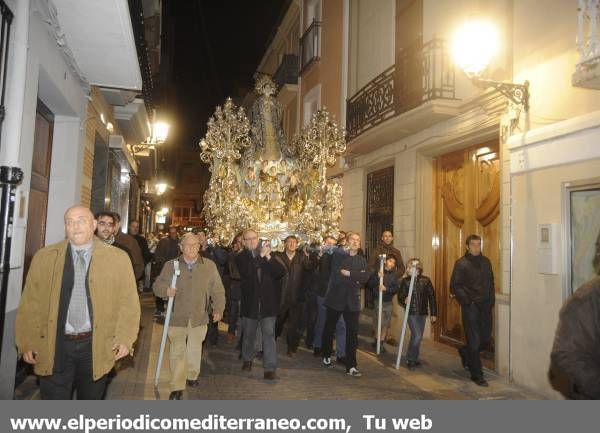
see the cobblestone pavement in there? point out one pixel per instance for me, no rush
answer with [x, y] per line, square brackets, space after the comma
[301, 377]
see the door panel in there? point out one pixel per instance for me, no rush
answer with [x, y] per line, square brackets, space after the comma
[467, 200]
[40, 179]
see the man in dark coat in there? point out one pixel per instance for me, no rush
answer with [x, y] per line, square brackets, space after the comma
[219, 256]
[167, 249]
[260, 279]
[234, 293]
[348, 274]
[134, 230]
[575, 357]
[297, 264]
[472, 283]
[386, 246]
[324, 270]
[132, 246]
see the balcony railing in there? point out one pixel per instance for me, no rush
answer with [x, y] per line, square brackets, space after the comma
[423, 72]
[372, 104]
[287, 72]
[310, 45]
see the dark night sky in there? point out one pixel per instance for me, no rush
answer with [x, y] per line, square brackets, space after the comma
[217, 47]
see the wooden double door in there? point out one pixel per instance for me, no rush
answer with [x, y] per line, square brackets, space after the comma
[467, 201]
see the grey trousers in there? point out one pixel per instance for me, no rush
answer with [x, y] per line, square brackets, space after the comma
[267, 326]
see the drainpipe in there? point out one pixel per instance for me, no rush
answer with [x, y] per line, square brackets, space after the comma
[10, 174]
[345, 42]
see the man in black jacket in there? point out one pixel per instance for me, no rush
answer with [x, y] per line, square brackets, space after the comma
[260, 280]
[575, 357]
[297, 264]
[134, 231]
[219, 256]
[472, 283]
[324, 269]
[348, 274]
[422, 303]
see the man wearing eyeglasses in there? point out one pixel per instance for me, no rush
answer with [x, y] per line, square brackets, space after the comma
[260, 280]
[105, 230]
[198, 281]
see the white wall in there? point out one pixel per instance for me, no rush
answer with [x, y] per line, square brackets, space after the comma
[557, 142]
[372, 35]
[541, 162]
[49, 77]
[546, 55]
[353, 215]
[441, 18]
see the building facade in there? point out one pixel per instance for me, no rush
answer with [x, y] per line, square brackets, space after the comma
[63, 111]
[440, 158]
[433, 156]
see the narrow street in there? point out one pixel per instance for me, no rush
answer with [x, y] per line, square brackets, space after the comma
[300, 378]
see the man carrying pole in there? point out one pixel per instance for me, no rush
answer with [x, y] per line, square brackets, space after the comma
[413, 274]
[384, 285]
[163, 340]
[420, 304]
[199, 279]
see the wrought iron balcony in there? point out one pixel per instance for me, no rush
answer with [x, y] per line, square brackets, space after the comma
[310, 45]
[287, 72]
[423, 72]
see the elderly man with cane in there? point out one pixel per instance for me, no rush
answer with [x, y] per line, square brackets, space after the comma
[197, 281]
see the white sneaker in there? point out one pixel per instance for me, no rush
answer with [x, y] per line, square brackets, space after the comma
[354, 372]
[327, 362]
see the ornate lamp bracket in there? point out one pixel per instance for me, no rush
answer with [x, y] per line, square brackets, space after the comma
[517, 93]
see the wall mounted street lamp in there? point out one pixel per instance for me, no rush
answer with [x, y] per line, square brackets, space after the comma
[159, 132]
[160, 188]
[474, 45]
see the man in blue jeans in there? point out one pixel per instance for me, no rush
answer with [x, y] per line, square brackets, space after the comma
[472, 283]
[422, 302]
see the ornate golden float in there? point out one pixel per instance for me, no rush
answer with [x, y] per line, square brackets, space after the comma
[260, 181]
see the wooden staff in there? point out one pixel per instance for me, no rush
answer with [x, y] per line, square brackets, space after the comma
[381, 262]
[163, 341]
[406, 311]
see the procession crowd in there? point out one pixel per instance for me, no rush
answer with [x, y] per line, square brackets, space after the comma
[80, 310]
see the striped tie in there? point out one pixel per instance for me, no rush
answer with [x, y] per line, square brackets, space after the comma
[78, 314]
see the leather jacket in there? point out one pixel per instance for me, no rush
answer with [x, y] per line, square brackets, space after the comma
[423, 296]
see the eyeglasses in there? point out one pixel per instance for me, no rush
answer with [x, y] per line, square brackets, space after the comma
[105, 224]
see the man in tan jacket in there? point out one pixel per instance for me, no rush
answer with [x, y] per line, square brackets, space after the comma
[75, 318]
[198, 281]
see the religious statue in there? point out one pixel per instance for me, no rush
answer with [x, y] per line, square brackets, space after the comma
[266, 118]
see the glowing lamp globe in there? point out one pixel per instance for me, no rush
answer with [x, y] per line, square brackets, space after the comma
[160, 132]
[473, 46]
